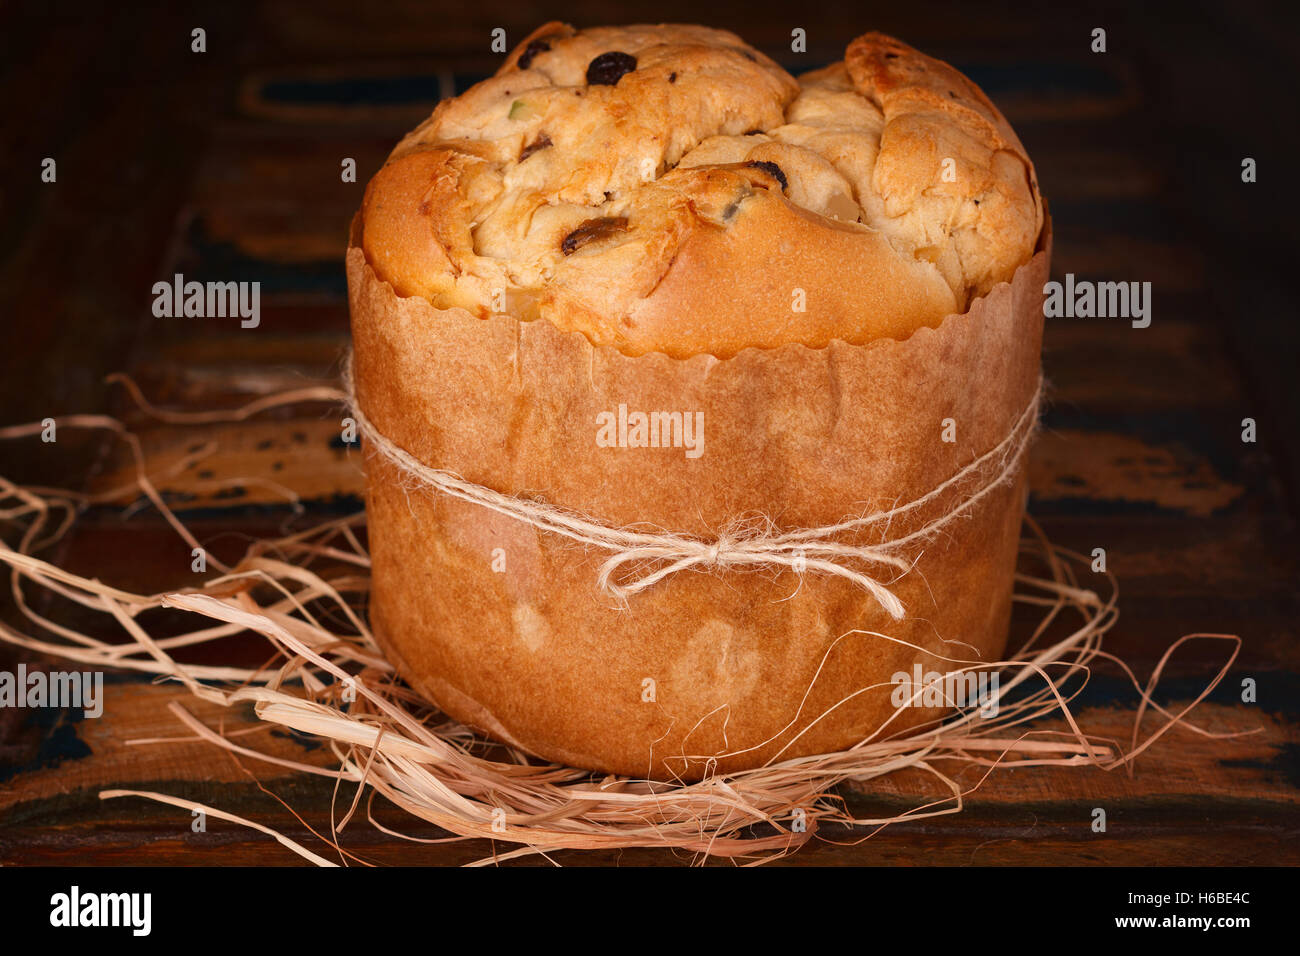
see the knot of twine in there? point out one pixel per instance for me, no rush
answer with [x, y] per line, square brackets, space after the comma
[668, 553]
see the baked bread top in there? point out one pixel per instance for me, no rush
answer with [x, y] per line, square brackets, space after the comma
[668, 188]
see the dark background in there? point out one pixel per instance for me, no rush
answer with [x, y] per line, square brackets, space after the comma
[226, 165]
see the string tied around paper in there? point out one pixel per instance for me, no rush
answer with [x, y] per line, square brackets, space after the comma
[657, 555]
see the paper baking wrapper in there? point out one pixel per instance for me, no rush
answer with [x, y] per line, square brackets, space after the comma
[503, 626]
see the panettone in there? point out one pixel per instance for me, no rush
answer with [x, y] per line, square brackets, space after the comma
[838, 278]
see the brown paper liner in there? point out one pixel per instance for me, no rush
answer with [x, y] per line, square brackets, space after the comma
[741, 661]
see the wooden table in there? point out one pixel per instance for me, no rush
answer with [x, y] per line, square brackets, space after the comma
[225, 164]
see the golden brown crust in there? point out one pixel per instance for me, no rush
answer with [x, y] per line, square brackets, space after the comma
[695, 198]
[990, 214]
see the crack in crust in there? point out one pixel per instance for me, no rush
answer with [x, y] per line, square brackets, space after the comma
[885, 191]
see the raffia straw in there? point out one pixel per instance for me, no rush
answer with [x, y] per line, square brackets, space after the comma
[280, 838]
[391, 745]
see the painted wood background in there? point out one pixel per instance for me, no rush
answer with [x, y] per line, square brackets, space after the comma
[226, 165]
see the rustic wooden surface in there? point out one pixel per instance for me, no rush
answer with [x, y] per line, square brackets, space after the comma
[225, 165]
